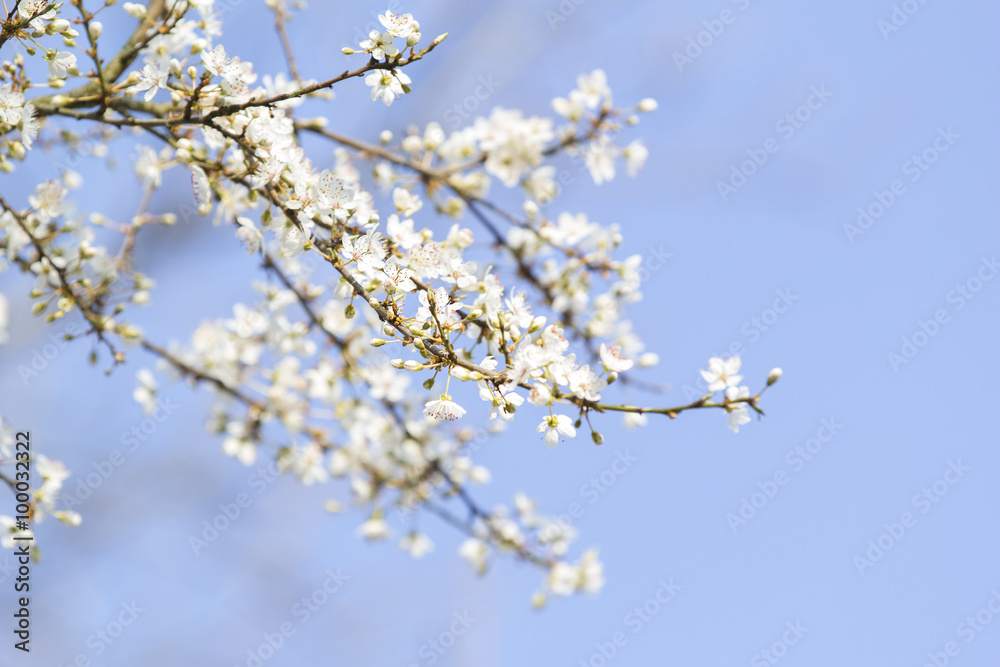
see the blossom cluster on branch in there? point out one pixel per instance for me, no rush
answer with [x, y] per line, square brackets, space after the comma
[376, 337]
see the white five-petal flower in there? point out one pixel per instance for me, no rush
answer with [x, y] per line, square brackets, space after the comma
[738, 412]
[614, 359]
[722, 373]
[60, 63]
[443, 408]
[554, 427]
[387, 85]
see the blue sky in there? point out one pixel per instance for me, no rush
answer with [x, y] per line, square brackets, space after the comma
[876, 549]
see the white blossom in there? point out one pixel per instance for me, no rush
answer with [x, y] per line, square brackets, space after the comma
[29, 125]
[555, 426]
[4, 319]
[722, 373]
[614, 359]
[152, 77]
[374, 529]
[398, 25]
[11, 104]
[145, 392]
[738, 412]
[380, 45]
[60, 64]
[9, 531]
[417, 544]
[387, 85]
[443, 408]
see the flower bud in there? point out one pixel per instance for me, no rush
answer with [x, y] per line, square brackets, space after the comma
[412, 366]
[597, 438]
[397, 364]
[385, 137]
[648, 104]
[347, 51]
[773, 376]
[376, 342]
[60, 26]
[134, 9]
[648, 359]
[95, 29]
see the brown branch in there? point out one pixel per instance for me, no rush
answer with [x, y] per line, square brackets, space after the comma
[47, 108]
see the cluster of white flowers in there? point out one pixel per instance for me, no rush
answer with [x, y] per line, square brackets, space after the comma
[43, 499]
[542, 322]
[15, 114]
[722, 376]
[389, 84]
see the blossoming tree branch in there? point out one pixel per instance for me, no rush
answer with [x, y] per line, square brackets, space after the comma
[380, 341]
